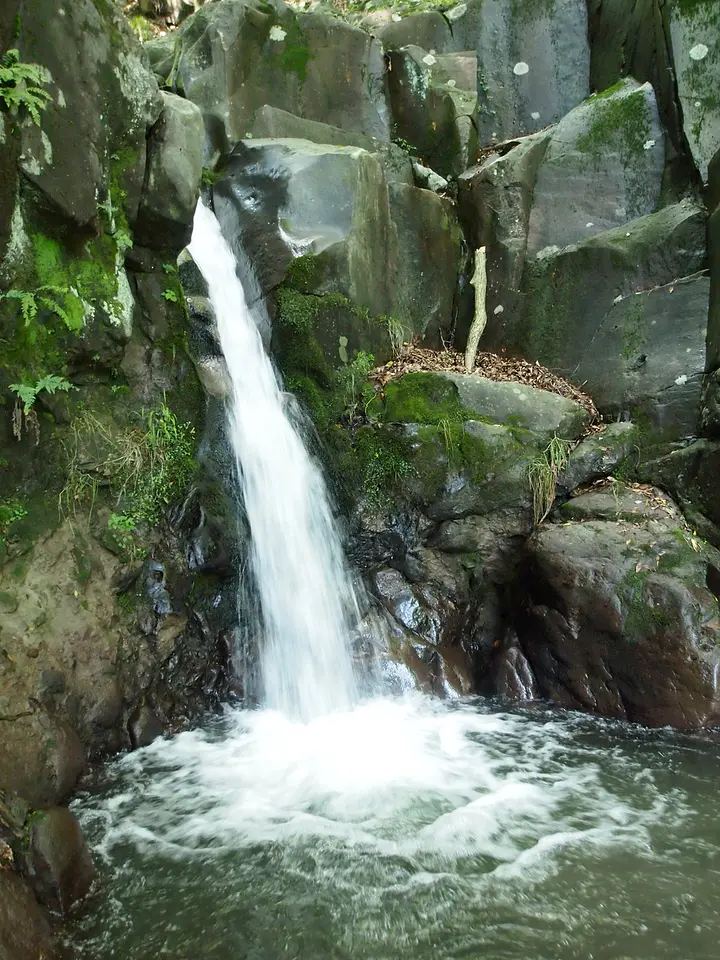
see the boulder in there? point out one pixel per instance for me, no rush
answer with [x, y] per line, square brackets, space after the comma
[25, 933]
[603, 166]
[58, 862]
[617, 501]
[598, 455]
[494, 203]
[448, 397]
[433, 99]
[689, 473]
[103, 100]
[428, 29]
[41, 756]
[602, 312]
[695, 39]
[619, 620]
[270, 123]
[172, 180]
[631, 41]
[427, 627]
[144, 726]
[713, 338]
[367, 247]
[533, 61]
[233, 57]
[653, 349]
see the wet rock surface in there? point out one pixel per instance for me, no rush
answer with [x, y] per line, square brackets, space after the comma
[619, 619]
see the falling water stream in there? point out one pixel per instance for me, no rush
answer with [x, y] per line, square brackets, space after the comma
[324, 827]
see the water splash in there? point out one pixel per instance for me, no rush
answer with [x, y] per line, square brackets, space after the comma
[306, 596]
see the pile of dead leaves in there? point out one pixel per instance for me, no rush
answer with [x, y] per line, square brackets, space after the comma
[418, 359]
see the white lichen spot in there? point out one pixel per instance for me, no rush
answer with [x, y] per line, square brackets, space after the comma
[535, 115]
[342, 349]
[688, 350]
[429, 59]
[459, 11]
[648, 145]
[138, 87]
[499, 309]
[120, 310]
[589, 224]
[699, 52]
[30, 164]
[18, 246]
[452, 83]
[61, 99]
[396, 18]
[680, 381]
[521, 68]
[618, 299]
[47, 147]
[277, 34]
[433, 52]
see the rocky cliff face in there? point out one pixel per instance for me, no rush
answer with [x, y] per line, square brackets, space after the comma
[357, 159]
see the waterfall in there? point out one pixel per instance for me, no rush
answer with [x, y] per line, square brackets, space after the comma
[306, 596]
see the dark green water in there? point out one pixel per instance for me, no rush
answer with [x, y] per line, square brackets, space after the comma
[408, 829]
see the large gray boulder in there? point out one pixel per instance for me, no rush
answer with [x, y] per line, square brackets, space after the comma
[234, 56]
[533, 61]
[611, 312]
[494, 202]
[103, 100]
[695, 41]
[620, 621]
[389, 248]
[631, 40]
[438, 397]
[603, 166]
[172, 180]
[428, 29]
[434, 104]
[713, 358]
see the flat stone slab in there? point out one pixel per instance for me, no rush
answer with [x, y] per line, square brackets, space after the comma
[518, 405]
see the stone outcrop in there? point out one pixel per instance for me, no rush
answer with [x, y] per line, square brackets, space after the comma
[234, 57]
[341, 225]
[96, 620]
[618, 593]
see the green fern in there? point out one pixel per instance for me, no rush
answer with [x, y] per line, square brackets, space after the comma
[21, 86]
[46, 296]
[27, 392]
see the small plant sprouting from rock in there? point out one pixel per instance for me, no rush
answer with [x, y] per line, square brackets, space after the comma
[10, 512]
[22, 86]
[356, 389]
[543, 472]
[170, 295]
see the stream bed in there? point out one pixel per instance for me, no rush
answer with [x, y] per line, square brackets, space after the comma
[407, 828]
